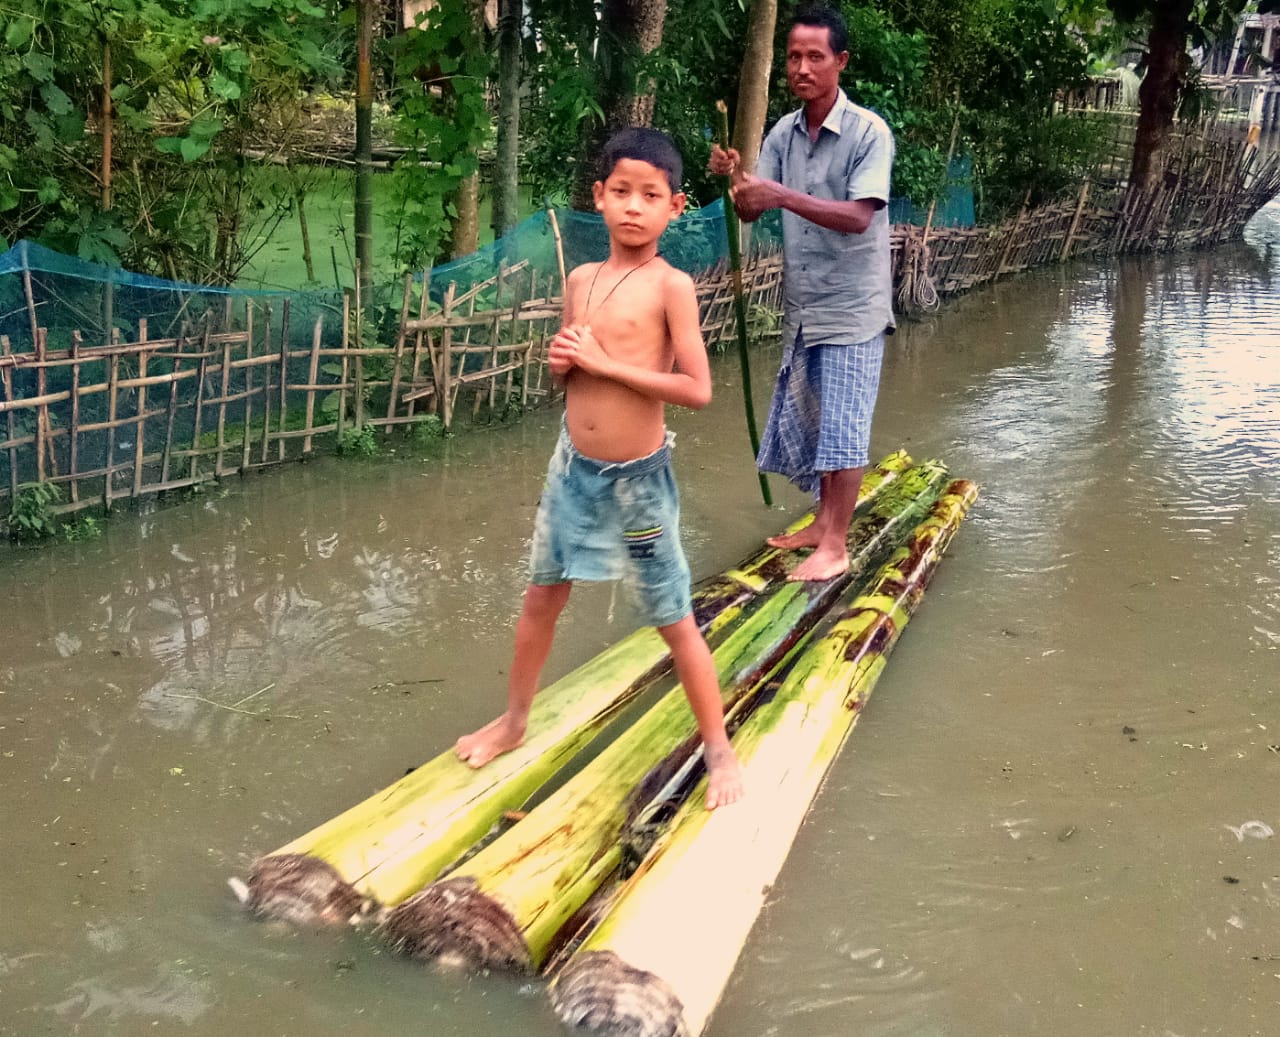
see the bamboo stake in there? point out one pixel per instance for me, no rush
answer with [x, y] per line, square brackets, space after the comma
[658, 963]
[6, 376]
[408, 832]
[503, 906]
[740, 306]
[139, 439]
[313, 371]
[201, 371]
[247, 418]
[42, 415]
[284, 380]
[555, 235]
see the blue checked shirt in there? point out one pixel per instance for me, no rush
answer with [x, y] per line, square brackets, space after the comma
[837, 286]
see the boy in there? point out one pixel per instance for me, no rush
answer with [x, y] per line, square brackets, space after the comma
[631, 343]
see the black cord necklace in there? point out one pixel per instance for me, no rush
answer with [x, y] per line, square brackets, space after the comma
[586, 314]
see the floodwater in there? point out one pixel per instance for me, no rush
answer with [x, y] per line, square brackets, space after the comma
[1055, 817]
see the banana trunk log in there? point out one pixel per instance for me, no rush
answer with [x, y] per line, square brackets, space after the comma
[657, 964]
[503, 907]
[396, 841]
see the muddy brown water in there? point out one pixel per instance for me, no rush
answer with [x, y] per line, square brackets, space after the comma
[1054, 818]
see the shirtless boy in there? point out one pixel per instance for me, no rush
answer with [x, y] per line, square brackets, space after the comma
[631, 343]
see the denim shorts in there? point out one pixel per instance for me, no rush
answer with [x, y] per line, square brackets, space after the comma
[610, 520]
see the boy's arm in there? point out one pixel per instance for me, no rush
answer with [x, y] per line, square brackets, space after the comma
[689, 385]
[560, 352]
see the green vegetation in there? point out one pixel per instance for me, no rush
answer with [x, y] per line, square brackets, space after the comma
[191, 138]
[32, 516]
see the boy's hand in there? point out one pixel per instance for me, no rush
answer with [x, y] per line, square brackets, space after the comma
[575, 346]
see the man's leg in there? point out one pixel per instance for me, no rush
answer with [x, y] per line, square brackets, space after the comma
[535, 630]
[839, 498]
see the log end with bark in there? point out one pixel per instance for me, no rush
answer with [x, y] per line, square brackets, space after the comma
[454, 923]
[304, 890]
[600, 993]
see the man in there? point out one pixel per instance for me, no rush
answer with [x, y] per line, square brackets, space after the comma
[827, 167]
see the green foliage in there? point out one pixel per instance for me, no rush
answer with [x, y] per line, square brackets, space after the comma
[441, 118]
[192, 82]
[358, 442]
[429, 430]
[31, 515]
[86, 527]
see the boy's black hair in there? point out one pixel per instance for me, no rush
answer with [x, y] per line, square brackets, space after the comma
[645, 145]
[821, 16]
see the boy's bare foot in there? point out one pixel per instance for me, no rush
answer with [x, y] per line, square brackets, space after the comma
[807, 537]
[724, 777]
[495, 738]
[823, 564]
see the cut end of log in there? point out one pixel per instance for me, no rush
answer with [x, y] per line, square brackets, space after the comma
[599, 992]
[452, 922]
[304, 890]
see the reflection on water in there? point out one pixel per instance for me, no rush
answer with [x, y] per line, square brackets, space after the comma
[1056, 817]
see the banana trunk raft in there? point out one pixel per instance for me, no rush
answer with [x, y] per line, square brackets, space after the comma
[646, 953]
[389, 846]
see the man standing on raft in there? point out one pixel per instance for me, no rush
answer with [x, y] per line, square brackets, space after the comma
[827, 167]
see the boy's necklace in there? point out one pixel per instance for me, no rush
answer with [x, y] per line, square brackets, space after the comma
[586, 310]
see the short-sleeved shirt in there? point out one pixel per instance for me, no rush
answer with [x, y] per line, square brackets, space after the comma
[837, 286]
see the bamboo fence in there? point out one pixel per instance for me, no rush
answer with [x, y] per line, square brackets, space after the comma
[228, 394]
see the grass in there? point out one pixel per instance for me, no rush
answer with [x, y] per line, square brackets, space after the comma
[330, 205]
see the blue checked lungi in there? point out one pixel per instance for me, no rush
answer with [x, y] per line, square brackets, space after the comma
[820, 416]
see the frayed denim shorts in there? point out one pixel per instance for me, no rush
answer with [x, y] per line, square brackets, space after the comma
[611, 520]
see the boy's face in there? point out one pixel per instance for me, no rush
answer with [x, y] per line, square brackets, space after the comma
[637, 202]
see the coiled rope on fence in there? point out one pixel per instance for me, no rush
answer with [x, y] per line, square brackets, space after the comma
[916, 290]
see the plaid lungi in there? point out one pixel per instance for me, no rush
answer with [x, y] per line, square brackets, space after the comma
[820, 417]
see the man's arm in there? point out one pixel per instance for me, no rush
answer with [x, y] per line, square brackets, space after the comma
[756, 195]
[689, 385]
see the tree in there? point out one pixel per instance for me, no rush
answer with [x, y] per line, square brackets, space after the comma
[1170, 26]
[506, 173]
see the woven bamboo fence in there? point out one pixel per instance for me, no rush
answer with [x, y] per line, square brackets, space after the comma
[227, 395]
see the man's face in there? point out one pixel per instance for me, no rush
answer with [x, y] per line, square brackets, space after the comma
[813, 69]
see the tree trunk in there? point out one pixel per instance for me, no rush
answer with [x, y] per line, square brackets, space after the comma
[464, 238]
[627, 28]
[753, 82]
[1167, 67]
[364, 147]
[107, 126]
[506, 172]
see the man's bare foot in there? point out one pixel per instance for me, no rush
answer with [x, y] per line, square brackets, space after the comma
[807, 537]
[823, 564]
[724, 777]
[495, 738]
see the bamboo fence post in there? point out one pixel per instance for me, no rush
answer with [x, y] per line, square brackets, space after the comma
[555, 236]
[346, 370]
[394, 395]
[1075, 222]
[172, 409]
[73, 432]
[424, 305]
[313, 372]
[247, 417]
[1013, 232]
[6, 375]
[445, 366]
[266, 388]
[139, 438]
[42, 412]
[221, 442]
[113, 408]
[284, 379]
[358, 317]
[201, 374]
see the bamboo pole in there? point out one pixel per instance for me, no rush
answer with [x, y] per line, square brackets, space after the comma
[313, 371]
[408, 832]
[6, 377]
[740, 306]
[503, 906]
[658, 963]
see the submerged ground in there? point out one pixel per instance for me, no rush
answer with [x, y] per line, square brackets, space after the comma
[1054, 818]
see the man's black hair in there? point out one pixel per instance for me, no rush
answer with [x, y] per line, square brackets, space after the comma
[645, 145]
[821, 16]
